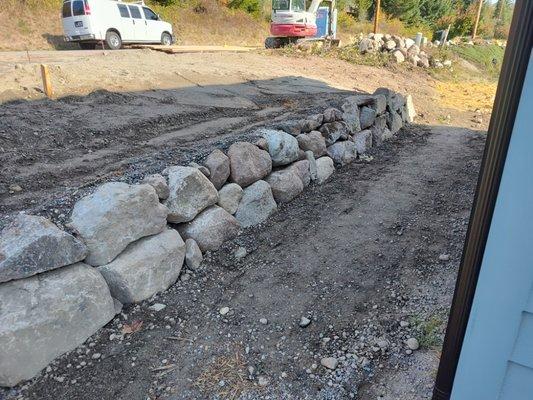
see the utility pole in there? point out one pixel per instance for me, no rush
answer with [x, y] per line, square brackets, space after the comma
[376, 16]
[474, 33]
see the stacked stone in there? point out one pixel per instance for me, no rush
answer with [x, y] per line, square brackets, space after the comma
[401, 49]
[129, 242]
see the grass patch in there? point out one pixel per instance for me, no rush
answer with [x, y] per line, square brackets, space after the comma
[488, 57]
[429, 331]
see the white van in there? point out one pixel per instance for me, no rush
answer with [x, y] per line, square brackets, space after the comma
[89, 22]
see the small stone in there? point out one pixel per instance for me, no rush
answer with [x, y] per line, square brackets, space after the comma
[193, 254]
[263, 381]
[157, 307]
[263, 321]
[15, 188]
[304, 321]
[96, 356]
[404, 324]
[241, 252]
[329, 362]
[412, 343]
[224, 310]
[444, 257]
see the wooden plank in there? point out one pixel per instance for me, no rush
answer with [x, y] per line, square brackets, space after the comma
[47, 83]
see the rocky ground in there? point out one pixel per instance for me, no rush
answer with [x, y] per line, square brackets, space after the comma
[369, 258]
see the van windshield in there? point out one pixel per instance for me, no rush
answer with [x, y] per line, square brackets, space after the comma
[280, 5]
[298, 5]
[67, 12]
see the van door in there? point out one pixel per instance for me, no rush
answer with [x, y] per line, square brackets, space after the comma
[76, 19]
[138, 23]
[126, 26]
[154, 30]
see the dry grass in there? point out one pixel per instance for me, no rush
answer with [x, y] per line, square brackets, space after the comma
[467, 96]
[229, 370]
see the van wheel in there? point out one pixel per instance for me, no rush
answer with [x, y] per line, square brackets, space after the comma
[166, 39]
[113, 40]
[87, 46]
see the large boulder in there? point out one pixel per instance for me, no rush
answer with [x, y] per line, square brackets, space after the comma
[395, 101]
[398, 56]
[367, 118]
[350, 114]
[257, 204]
[312, 122]
[325, 169]
[333, 131]
[342, 153]
[285, 185]
[313, 141]
[248, 163]
[211, 228]
[394, 122]
[190, 193]
[31, 245]
[363, 141]
[380, 130]
[229, 197]
[114, 216]
[282, 147]
[44, 316]
[219, 168]
[292, 127]
[302, 169]
[159, 183]
[147, 266]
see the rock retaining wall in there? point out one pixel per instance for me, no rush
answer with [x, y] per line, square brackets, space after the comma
[128, 242]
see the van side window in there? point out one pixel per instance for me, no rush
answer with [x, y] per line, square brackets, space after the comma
[123, 11]
[67, 12]
[135, 12]
[149, 14]
[78, 8]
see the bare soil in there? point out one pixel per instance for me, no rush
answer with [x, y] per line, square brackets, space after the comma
[357, 255]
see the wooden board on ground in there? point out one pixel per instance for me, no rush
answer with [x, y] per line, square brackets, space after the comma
[195, 49]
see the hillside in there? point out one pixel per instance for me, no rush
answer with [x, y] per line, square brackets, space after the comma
[36, 24]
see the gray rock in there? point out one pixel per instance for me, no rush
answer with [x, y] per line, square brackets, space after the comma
[409, 42]
[211, 228]
[285, 185]
[413, 50]
[325, 169]
[256, 205]
[380, 104]
[333, 131]
[114, 216]
[293, 127]
[342, 153]
[350, 114]
[190, 193]
[423, 61]
[312, 165]
[241, 252]
[367, 118]
[44, 316]
[203, 169]
[32, 244]
[262, 144]
[304, 322]
[219, 167]
[302, 169]
[229, 197]
[367, 46]
[312, 122]
[363, 141]
[398, 56]
[409, 110]
[313, 141]
[412, 343]
[331, 115]
[282, 147]
[395, 101]
[394, 122]
[147, 266]
[378, 130]
[329, 362]
[248, 163]
[159, 183]
[390, 45]
[193, 254]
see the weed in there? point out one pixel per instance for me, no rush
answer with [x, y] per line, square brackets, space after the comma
[429, 331]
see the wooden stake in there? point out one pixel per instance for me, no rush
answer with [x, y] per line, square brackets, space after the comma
[47, 83]
[474, 32]
[376, 16]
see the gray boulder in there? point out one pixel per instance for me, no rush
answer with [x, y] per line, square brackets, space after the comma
[219, 168]
[333, 131]
[114, 216]
[367, 46]
[325, 168]
[313, 141]
[395, 101]
[363, 141]
[282, 147]
[190, 193]
[248, 163]
[293, 127]
[367, 118]
[342, 153]
[193, 254]
[394, 122]
[350, 115]
[312, 122]
[409, 111]
[44, 316]
[31, 245]
[159, 183]
[302, 169]
[312, 165]
[332, 114]
[211, 228]
[398, 56]
[229, 197]
[285, 185]
[257, 204]
[379, 130]
[147, 266]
